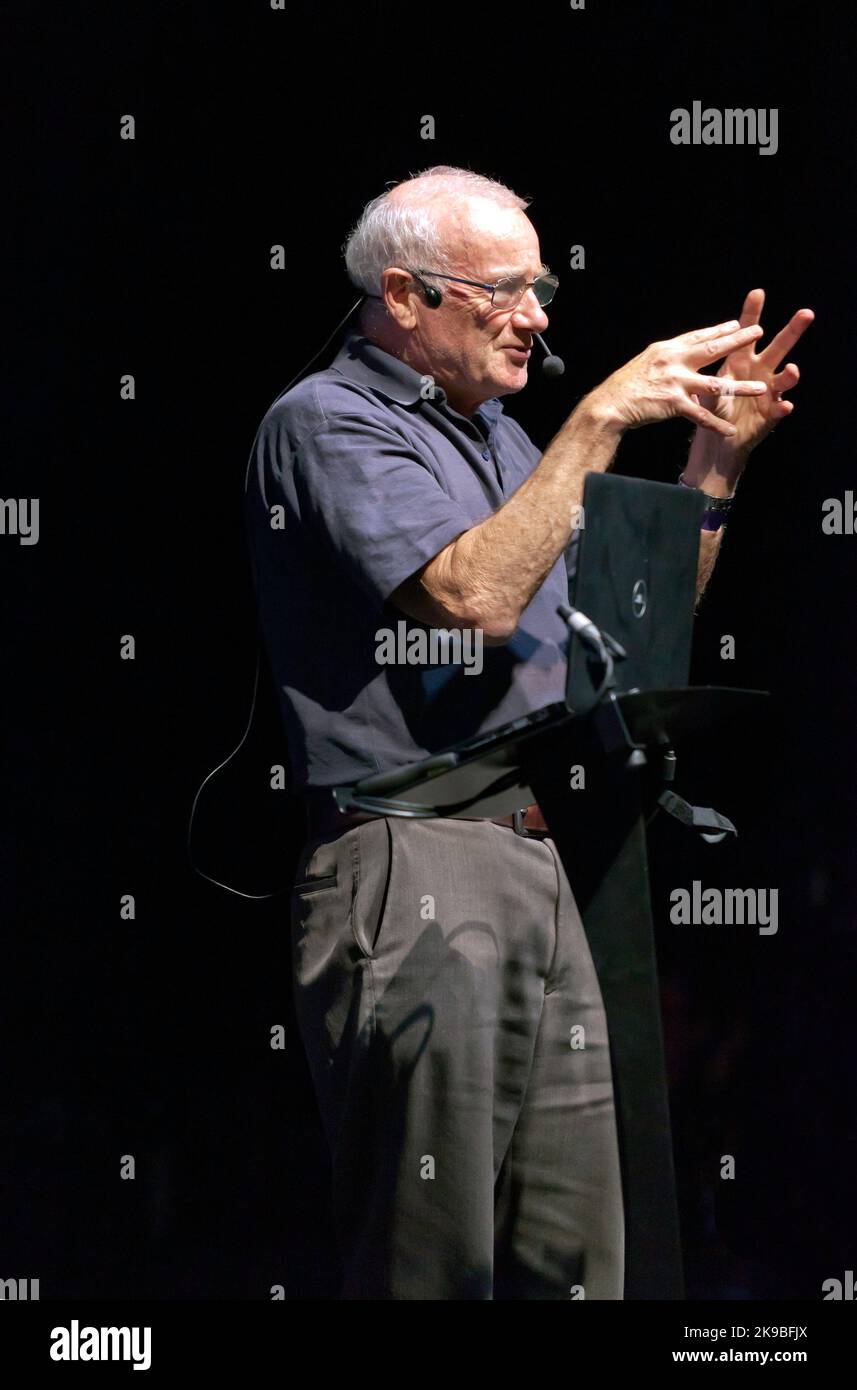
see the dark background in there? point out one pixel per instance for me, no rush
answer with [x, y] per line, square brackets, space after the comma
[255, 127]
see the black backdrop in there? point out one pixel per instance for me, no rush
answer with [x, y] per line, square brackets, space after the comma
[151, 1037]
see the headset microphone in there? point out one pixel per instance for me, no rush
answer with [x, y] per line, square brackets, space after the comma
[552, 366]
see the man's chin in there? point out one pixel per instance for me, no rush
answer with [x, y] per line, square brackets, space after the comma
[511, 379]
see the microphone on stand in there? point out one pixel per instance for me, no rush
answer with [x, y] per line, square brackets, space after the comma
[552, 366]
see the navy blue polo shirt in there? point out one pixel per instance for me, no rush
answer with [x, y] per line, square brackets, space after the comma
[359, 476]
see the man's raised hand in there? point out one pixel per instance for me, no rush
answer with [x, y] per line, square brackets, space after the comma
[756, 417]
[665, 380]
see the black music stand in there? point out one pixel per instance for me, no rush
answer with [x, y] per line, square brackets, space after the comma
[599, 832]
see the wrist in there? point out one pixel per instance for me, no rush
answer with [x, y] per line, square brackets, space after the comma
[713, 466]
[599, 415]
[717, 507]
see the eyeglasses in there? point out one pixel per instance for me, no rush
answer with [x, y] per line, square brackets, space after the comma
[507, 293]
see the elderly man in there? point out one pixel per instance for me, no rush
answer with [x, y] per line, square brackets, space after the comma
[440, 966]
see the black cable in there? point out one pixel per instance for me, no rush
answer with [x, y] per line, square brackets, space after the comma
[255, 897]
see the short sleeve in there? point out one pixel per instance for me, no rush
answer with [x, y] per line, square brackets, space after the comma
[374, 501]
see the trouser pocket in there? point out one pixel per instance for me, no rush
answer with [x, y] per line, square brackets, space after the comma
[372, 862]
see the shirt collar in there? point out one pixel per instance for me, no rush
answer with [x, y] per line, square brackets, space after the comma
[361, 360]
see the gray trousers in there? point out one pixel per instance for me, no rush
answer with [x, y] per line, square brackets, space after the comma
[455, 1034]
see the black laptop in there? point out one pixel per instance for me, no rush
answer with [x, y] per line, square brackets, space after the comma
[634, 575]
[632, 567]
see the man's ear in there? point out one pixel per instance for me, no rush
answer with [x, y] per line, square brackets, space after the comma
[399, 292]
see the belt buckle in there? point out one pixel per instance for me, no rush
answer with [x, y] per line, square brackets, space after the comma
[519, 827]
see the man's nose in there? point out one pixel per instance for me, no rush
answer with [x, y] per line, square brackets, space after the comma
[530, 314]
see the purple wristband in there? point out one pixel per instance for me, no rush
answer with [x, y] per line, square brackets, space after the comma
[716, 514]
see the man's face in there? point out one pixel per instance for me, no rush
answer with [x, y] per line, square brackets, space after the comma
[473, 350]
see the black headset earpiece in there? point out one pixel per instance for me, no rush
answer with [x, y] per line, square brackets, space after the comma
[432, 296]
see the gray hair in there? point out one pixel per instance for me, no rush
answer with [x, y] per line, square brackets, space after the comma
[405, 231]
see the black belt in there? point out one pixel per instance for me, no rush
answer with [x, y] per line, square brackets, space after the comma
[323, 817]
